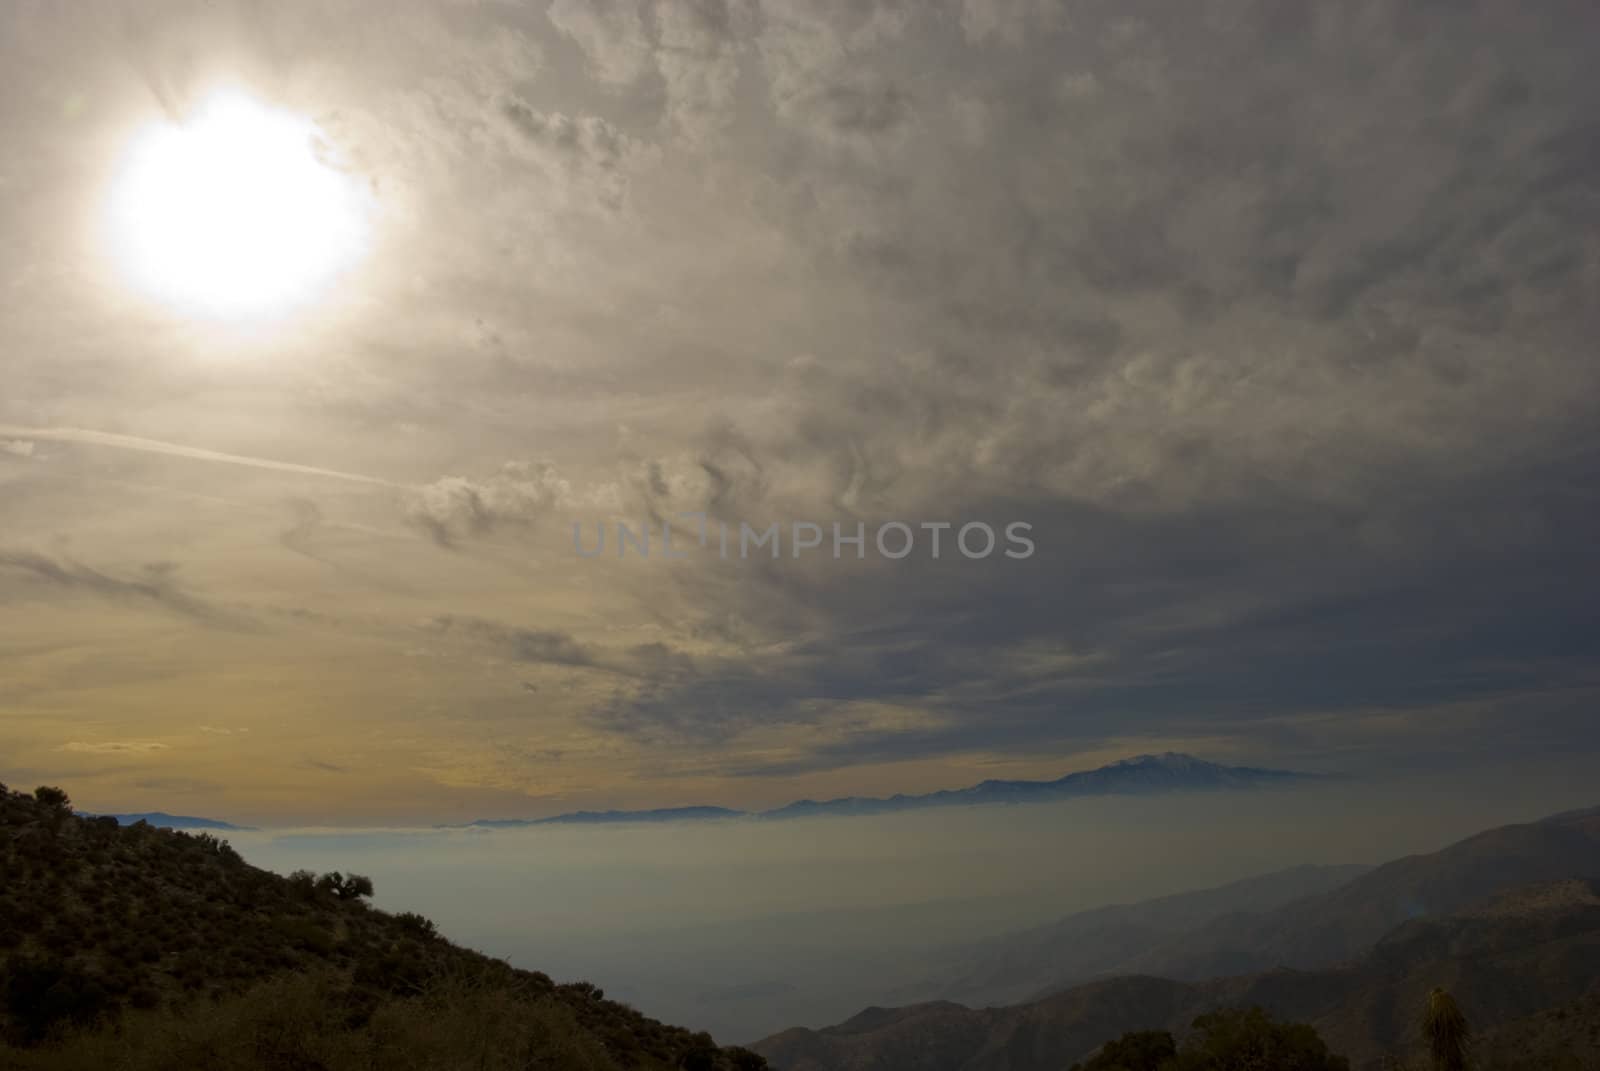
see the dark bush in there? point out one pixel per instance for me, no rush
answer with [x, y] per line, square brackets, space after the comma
[743, 1059]
[1143, 1050]
[302, 881]
[417, 924]
[355, 886]
[53, 797]
[1244, 1039]
[42, 994]
[701, 1054]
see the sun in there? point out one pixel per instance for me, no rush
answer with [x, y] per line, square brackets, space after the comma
[235, 212]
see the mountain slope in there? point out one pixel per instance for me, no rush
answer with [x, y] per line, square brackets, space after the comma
[1106, 940]
[1565, 1038]
[101, 922]
[1143, 774]
[1304, 917]
[1535, 948]
[1341, 924]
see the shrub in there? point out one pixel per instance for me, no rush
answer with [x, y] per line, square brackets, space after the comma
[354, 887]
[587, 989]
[318, 1022]
[1143, 1050]
[1237, 1040]
[701, 1055]
[44, 994]
[417, 924]
[307, 935]
[53, 797]
[303, 884]
[743, 1059]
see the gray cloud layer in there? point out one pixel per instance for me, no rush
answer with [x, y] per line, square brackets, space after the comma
[1276, 323]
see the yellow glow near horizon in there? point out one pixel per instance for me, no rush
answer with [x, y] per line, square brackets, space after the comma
[235, 213]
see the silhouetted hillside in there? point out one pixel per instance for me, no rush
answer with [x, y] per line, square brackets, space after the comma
[176, 941]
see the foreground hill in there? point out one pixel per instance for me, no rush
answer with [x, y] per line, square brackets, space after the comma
[197, 958]
[1140, 775]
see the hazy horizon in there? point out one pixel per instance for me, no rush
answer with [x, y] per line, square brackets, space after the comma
[743, 928]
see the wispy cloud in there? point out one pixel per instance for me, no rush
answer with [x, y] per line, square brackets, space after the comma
[155, 446]
[155, 584]
[114, 747]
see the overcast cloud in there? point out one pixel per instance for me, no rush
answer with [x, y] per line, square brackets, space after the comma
[1276, 323]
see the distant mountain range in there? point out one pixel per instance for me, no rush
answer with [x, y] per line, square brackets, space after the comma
[665, 814]
[163, 820]
[1141, 775]
[1508, 919]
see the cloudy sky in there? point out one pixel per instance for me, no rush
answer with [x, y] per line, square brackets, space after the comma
[1276, 323]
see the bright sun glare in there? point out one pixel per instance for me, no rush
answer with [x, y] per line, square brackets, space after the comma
[235, 212]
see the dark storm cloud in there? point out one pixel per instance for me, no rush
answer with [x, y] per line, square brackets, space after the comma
[1274, 323]
[1163, 625]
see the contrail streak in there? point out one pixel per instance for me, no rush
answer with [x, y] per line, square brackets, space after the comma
[156, 446]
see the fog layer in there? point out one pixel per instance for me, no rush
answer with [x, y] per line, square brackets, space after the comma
[744, 927]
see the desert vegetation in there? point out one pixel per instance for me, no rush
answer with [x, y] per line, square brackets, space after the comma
[1234, 1040]
[1562, 1039]
[135, 947]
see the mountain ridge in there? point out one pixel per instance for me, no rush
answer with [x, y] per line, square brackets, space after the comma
[1343, 923]
[1536, 947]
[1508, 918]
[1169, 771]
